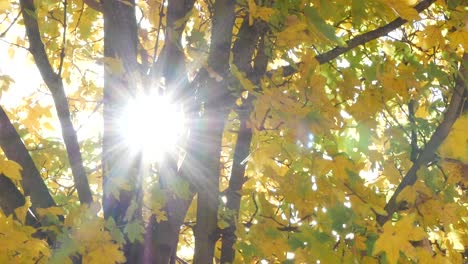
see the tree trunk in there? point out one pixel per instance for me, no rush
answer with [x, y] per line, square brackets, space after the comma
[217, 103]
[121, 172]
[162, 237]
[244, 47]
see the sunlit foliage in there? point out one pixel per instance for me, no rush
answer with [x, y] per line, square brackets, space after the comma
[359, 148]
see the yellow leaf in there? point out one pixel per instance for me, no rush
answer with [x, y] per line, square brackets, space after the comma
[153, 13]
[4, 5]
[10, 169]
[459, 38]
[404, 9]
[396, 238]
[114, 65]
[455, 145]
[264, 13]
[21, 212]
[431, 37]
[408, 194]
[48, 126]
[391, 82]
[244, 81]
[105, 253]
[391, 173]
[54, 210]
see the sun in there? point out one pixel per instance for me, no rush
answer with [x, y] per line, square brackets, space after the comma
[152, 125]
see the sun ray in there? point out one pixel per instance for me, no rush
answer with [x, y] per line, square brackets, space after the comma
[152, 125]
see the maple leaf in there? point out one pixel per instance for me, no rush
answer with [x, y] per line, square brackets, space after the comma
[264, 13]
[22, 211]
[455, 146]
[396, 238]
[105, 253]
[134, 231]
[114, 231]
[11, 169]
[459, 38]
[404, 9]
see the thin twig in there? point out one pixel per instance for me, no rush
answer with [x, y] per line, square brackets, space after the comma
[64, 38]
[11, 25]
[156, 45]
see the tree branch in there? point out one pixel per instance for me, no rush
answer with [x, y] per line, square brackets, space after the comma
[55, 85]
[358, 40]
[428, 153]
[32, 182]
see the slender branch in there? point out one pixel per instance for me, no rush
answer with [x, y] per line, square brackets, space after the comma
[64, 38]
[156, 45]
[358, 40]
[13, 44]
[55, 85]
[428, 153]
[414, 135]
[3, 34]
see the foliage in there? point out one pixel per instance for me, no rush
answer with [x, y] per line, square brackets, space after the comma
[358, 124]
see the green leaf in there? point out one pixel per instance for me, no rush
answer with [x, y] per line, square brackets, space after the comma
[180, 187]
[327, 30]
[452, 4]
[114, 231]
[295, 242]
[134, 231]
[340, 215]
[370, 242]
[247, 250]
[358, 11]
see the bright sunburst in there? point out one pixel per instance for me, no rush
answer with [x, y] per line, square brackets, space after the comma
[152, 125]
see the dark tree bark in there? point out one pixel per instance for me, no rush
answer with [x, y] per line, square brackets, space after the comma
[119, 169]
[217, 102]
[10, 197]
[32, 182]
[163, 236]
[243, 50]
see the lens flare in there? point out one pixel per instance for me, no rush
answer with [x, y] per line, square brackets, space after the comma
[152, 125]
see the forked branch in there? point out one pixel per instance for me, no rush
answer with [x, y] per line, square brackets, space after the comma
[428, 153]
[55, 85]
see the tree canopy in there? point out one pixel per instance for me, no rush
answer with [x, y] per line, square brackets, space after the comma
[222, 131]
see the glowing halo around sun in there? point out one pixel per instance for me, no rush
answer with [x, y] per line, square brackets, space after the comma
[152, 125]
